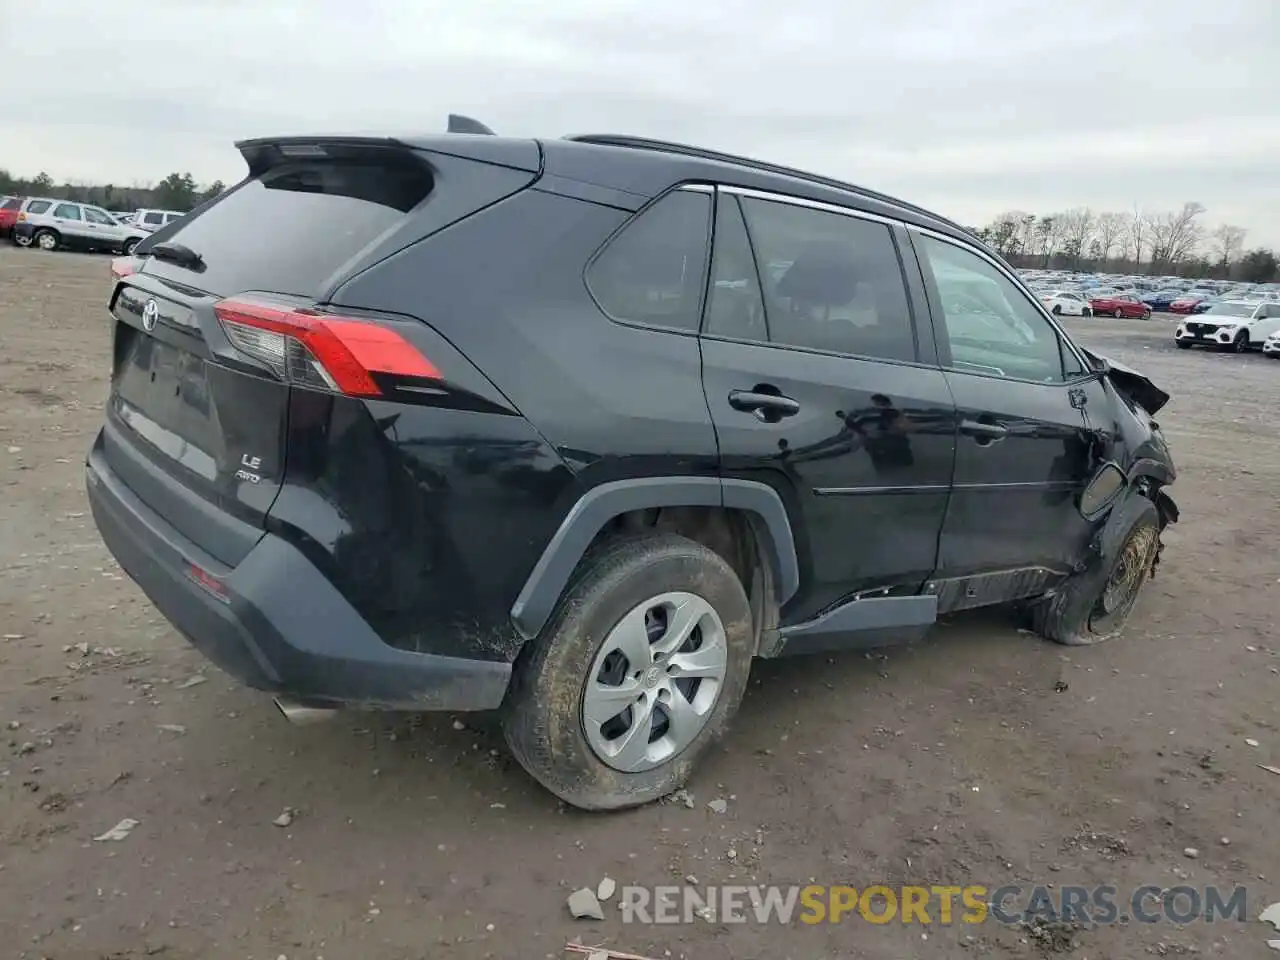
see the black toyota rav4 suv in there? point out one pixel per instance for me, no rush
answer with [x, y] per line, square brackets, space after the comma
[576, 428]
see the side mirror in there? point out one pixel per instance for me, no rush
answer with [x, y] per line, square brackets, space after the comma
[1103, 490]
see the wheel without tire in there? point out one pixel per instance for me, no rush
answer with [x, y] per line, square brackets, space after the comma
[46, 240]
[1094, 605]
[640, 668]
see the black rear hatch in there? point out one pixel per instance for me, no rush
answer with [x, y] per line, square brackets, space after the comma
[187, 403]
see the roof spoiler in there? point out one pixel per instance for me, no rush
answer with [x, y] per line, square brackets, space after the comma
[460, 124]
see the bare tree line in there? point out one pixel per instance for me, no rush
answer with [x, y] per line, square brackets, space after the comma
[1174, 242]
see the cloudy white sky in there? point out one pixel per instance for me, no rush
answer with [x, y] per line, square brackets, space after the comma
[970, 107]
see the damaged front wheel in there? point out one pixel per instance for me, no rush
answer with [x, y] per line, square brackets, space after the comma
[1095, 604]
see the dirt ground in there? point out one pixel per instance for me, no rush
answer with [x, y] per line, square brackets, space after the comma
[981, 755]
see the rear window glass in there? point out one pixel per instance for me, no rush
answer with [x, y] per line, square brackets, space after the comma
[289, 230]
[11, 203]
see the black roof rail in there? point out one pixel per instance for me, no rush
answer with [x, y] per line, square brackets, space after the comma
[460, 124]
[684, 149]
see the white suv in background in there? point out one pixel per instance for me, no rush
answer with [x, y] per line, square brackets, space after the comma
[1231, 325]
[153, 220]
[49, 223]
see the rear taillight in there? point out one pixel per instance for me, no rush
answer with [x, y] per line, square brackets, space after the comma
[22, 218]
[122, 267]
[320, 350]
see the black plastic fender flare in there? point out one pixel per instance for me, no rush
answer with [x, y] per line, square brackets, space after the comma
[1112, 533]
[542, 590]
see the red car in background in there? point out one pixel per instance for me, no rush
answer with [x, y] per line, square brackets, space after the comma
[9, 209]
[1188, 303]
[1120, 305]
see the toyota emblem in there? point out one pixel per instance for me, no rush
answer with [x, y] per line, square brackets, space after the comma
[149, 314]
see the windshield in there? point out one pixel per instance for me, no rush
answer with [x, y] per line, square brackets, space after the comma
[1231, 310]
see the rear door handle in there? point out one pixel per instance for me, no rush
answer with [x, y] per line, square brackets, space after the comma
[769, 407]
[984, 432]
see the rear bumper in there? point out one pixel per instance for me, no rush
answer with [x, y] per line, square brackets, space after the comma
[273, 621]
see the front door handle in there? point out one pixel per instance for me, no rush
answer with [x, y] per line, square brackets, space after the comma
[768, 407]
[984, 433]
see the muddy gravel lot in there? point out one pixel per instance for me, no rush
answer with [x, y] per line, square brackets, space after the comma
[980, 756]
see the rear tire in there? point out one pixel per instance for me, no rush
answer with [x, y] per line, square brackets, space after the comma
[1094, 605]
[47, 240]
[129, 246]
[1183, 344]
[543, 716]
[1057, 310]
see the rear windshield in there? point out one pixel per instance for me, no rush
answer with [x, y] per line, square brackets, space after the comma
[289, 230]
[11, 203]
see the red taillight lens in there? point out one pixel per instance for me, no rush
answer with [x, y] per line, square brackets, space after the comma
[320, 350]
[122, 267]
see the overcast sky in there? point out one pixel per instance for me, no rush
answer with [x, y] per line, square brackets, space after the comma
[970, 107]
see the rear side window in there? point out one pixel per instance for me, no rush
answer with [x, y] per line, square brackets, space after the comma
[653, 271]
[38, 206]
[831, 282]
[292, 228]
[154, 218]
[67, 211]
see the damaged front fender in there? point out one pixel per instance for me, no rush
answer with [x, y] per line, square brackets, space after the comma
[1130, 382]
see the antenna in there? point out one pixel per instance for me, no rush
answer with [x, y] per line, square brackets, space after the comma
[460, 124]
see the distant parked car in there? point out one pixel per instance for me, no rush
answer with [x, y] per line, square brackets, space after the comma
[124, 216]
[153, 220]
[1236, 325]
[1205, 305]
[1066, 303]
[1161, 299]
[1120, 305]
[1187, 302]
[49, 224]
[9, 209]
[1271, 346]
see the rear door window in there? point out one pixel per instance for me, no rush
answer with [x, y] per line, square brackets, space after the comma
[94, 215]
[290, 229]
[831, 281]
[67, 211]
[153, 219]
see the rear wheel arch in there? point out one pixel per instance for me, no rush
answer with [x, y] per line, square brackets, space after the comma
[745, 521]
